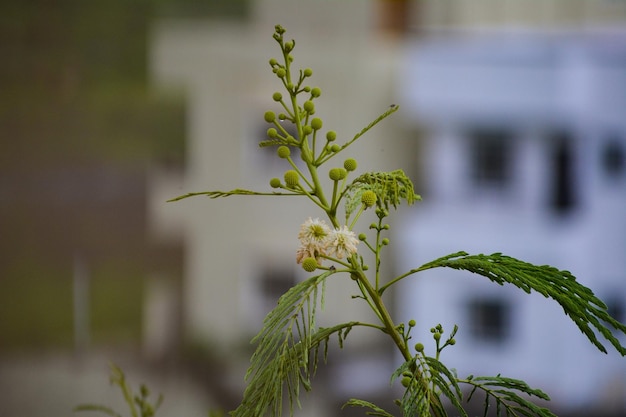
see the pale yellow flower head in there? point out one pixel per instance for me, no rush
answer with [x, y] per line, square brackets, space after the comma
[342, 242]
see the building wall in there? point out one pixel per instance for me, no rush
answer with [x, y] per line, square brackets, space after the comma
[546, 104]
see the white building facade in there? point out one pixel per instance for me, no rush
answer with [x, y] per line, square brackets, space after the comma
[525, 155]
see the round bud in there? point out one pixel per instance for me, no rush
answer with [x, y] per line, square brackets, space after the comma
[289, 86]
[335, 174]
[270, 116]
[273, 62]
[309, 264]
[316, 92]
[406, 381]
[280, 72]
[309, 107]
[282, 116]
[316, 123]
[307, 130]
[308, 72]
[350, 164]
[277, 96]
[412, 323]
[283, 152]
[289, 46]
[335, 148]
[385, 241]
[306, 89]
[419, 347]
[365, 267]
[452, 342]
[362, 236]
[272, 133]
[275, 183]
[386, 226]
[368, 198]
[437, 336]
[291, 178]
[331, 135]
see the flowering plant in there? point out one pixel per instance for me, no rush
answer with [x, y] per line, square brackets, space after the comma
[290, 344]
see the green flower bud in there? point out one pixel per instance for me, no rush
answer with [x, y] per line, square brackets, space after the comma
[373, 226]
[307, 130]
[281, 72]
[309, 264]
[406, 381]
[289, 46]
[365, 267]
[331, 135]
[334, 174]
[306, 89]
[362, 236]
[309, 107]
[273, 62]
[335, 148]
[350, 164]
[386, 226]
[272, 133]
[291, 178]
[369, 198]
[316, 123]
[316, 92]
[277, 96]
[452, 342]
[385, 241]
[283, 151]
[419, 347]
[275, 183]
[437, 336]
[282, 116]
[412, 323]
[308, 72]
[270, 116]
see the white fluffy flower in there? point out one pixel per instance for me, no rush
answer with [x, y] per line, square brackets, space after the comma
[313, 237]
[342, 242]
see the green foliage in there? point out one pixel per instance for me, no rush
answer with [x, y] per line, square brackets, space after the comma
[138, 404]
[578, 302]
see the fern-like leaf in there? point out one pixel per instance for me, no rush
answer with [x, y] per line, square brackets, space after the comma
[219, 194]
[374, 409]
[579, 302]
[505, 393]
[287, 352]
[97, 408]
[390, 188]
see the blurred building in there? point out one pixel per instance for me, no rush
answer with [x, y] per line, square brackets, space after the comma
[470, 101]
[525, 154]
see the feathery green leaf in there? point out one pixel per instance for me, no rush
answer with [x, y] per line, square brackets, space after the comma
[579, 303]
[287, 352]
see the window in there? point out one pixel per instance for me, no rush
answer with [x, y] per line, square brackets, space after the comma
[489, 320]
[562, 194]
[613, 158]
[491, 157]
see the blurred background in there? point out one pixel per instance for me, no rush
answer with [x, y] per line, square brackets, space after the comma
[512, 124]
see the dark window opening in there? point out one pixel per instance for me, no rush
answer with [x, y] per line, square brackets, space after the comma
[491, 157]
[613, 158]
[615, 308]
[275, 281]
[562, 197]
[489, 320]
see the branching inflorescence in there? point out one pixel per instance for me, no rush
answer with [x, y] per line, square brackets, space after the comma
[290, 343]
